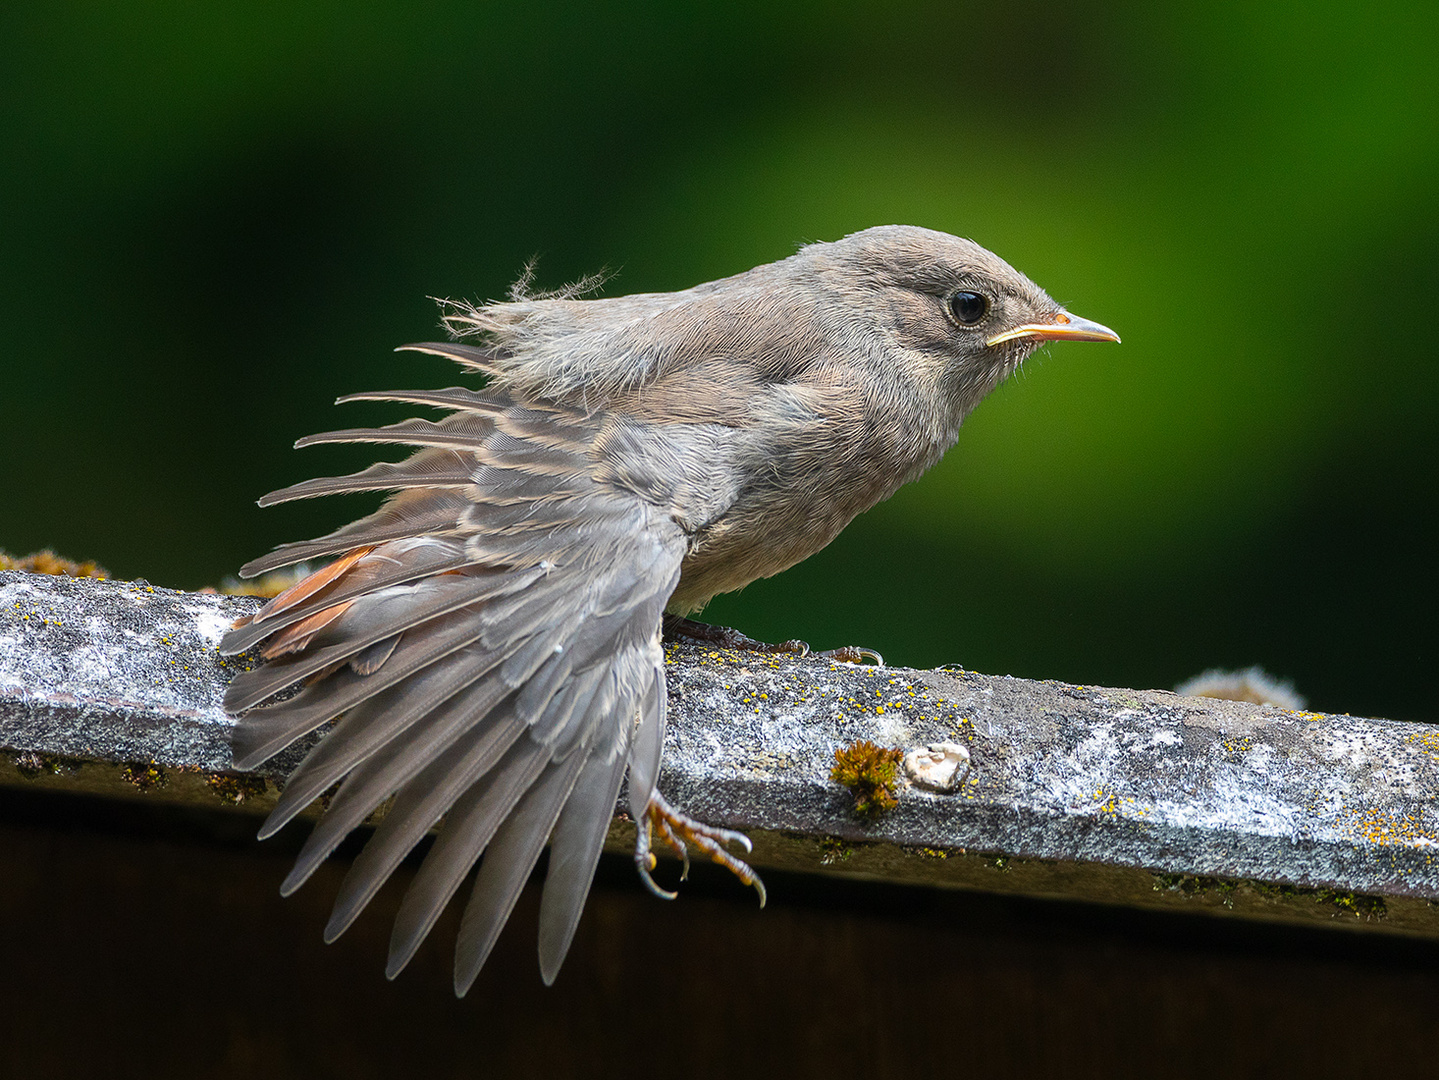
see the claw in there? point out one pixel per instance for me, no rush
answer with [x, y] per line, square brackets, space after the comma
[678, 628]
[663, 894]
[645, 861]
[677, 845]
[851, 654]
[675, 829]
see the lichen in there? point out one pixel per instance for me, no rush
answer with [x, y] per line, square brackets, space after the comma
[869, 772]
[926, 852]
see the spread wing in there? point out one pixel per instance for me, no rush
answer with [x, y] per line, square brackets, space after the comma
[489, 640]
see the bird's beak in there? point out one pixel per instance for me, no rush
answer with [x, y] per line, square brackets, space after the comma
[1062, 327]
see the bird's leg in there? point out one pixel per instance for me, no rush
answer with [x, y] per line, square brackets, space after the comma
[679, 628]
[676, 828]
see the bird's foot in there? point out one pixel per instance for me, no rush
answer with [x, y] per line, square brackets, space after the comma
[679, 628]
[675, 829]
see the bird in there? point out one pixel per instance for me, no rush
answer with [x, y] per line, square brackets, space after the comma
[488, 643]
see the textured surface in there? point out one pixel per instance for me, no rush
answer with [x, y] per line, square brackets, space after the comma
[1137, 797]
[114, 671]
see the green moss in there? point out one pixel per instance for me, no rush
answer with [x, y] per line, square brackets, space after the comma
[1197, 885]
[1359, 905]
[869, 772]
[1356, 904]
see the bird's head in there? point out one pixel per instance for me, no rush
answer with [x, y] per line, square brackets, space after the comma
[950, 302]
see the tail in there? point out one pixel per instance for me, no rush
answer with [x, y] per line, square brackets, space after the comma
[489, 640]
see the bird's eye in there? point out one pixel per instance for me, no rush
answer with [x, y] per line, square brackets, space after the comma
[967, 307]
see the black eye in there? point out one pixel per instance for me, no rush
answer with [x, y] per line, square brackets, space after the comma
[967, 307]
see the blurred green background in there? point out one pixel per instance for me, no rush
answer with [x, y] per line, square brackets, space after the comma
[219, 217]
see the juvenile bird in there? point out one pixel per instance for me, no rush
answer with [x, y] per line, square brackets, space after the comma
[490, 637]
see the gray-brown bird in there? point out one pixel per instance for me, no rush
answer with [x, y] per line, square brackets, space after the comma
[490, 637]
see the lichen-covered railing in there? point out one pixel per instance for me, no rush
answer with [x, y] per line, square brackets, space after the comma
[1137, 797]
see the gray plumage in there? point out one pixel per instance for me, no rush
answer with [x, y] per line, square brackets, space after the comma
[490, 638]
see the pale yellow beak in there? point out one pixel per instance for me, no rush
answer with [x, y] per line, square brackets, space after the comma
[1063, 327]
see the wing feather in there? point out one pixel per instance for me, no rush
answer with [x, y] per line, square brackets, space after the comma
[419, 804]
[395, 563]
[509, 858]
[487, 642]
[403, 517]
[427, 469]
[455, 397]
[575, 847]
[478, 357]
[439, 603]
[468, 827]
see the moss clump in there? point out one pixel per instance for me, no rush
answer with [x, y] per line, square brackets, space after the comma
[146, 776]
[869, 772]
[1347, 903]
[235, 789]
[1197, 885]
[32, 765]
[926, 852]
[1357, 904]
[47, 562]
[833, 850]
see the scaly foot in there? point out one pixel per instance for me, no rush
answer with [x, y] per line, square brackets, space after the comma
[676, 828]
[679, 628]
